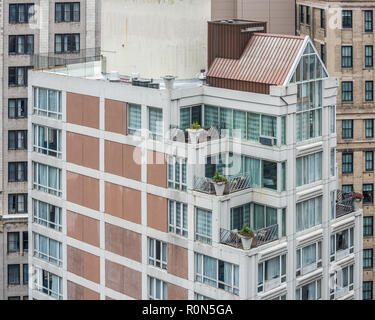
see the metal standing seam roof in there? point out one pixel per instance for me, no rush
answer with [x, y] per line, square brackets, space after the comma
[266, 59]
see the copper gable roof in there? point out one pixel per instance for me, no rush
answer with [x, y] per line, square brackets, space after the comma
[266, 60]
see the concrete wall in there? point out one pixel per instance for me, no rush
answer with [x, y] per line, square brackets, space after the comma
[155, 37]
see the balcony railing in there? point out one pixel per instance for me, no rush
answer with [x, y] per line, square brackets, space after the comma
[344, 204]
[262, 236]
[235, 183]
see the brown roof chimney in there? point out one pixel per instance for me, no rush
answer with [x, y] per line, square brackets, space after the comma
[228, 38]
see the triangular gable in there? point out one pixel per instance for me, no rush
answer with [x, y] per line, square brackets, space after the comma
[307, 59]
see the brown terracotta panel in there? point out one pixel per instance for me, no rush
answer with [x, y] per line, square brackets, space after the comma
[123, 279]
[156, 169]
[115, 116]
[83, 110]
[91, 111]
[75, 263]
[132, 283]
[113, 158]
[74, 109]
[77, 292]
[132, 204]
[74, 187]
[90, 148]
[83, 264]
[91, 267]
[123, 242]
[74, 150]
[177, 261]
[114, 276]
[91, 193]
[176, 293]
[83, 150]
[132, 165]
[74, 225]
[157, 212]
[113, 199]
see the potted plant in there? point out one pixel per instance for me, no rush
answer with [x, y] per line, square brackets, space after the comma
[219, 183]
[194, 132]
[246, 235]
[357, 198]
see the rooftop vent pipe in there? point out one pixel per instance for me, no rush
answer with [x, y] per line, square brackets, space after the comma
[169, 81]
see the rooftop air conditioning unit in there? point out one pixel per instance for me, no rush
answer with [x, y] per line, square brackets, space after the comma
[114, 76]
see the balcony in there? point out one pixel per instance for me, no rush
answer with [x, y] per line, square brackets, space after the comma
[262, 236]
[344, 204]
[235, 183]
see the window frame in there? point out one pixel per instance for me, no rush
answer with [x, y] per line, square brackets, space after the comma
[205, 238]
[368, 228]
[71, 43]
[367, 287]
[346, 19]
[369, 129]
[264, 285]
[14, 76]
[366, 20]
[63, 12]
[369, 56]
[346, 56]
[39, 281]
[15, 39]
[49, 223]
[152, 284]
[347, 130]
[48, 112]
[29, 15]
[370, 192]
[16, 282]
[347, 92]
[16, 241]
[368, 261]
[17, 202]
[161, 260]
[369, 160]
[46, 256]
[47, 188]
[346, 247]
[172, 163]
[347, 164]
[181, 230]
[16, 171]
[17, 107]
[38, 146]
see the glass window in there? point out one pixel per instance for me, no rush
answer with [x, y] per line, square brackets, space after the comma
[311, 291]
[47, 215]
[155, 124]
[346, 56]
[368, 21]
[369, 56]
[367, 259]
[67, 43]
[21, 44]
[269, 176]
[271, 273]
[368, 193]
[47, 249]
[177, 173]
[17, 76]
[17, 203]
[13, 241]
[25, 273]
[347, 188]
[47, 140]
[157, 289]
[134, 119]
[307, 15]
[17, 108]
[13, 274]
[347, 18]
[309, 258]
[367, 290]
[67, 12]
[177, 218]
[157, 253]
[48, 103]
[347, 129]
[17, 139]
[369, 160]
[21, 13]
[48, 283]
[347, 163]
[240, 216]
[17, 171]
[309, 213]
[368, 228]
[25, 241]
[369, 91]
[203, 227]
[264, 216]
[369, 128]
[47, 179]
[309, 169]
[301, 14]
[347, 91]
[342, 243]
[217, 273]
[332, 118]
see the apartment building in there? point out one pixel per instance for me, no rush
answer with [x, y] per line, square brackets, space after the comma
[33, 33]
[343, 34]
[125, 207]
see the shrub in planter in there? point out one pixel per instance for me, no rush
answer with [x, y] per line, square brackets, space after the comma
[246, 235]
[194, 132]
[219, 183]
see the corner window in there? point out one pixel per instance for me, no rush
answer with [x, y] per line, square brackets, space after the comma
[48, 103]
[271, 273]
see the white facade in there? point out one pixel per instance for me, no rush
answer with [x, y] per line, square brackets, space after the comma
[317, 274]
